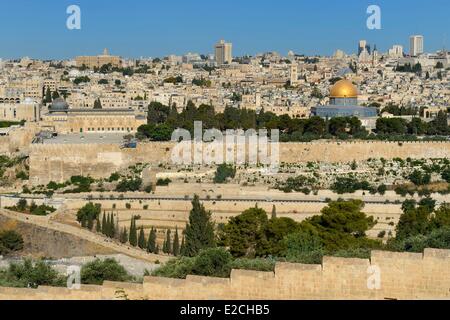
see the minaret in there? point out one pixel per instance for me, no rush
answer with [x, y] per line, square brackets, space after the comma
[294, 74]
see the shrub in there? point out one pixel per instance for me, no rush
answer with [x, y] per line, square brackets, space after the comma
[31, 275]
[10, 241]
[266, 265]
[214, 262]
[349, 185]
[163, 182]
[176, 268]
[22, 175]
[419, 178]
[381, 234]
[97, 271]
[224, 172]
[114, 177]
[129, 185]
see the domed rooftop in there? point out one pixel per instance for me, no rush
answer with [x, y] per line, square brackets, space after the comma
[59, 104]
[344, 89]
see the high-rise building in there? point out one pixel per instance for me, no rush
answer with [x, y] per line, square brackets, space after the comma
[396, 51]
[416, 45]
[223, 53]
[362, 45]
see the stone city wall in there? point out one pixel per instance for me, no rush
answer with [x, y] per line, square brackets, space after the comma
[387, 275]
[58, 162]
[18, 141]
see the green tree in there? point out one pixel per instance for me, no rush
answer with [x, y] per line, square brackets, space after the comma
[48, 96]
[10, 241]
[213, 262]
[98, 104]
[141, 242]
[245, 233]
[182, 247]
[98, 226]
[90, 223]
[176, 244]
[112, 227]
[97, 271]
[22, 205]
[419, 178]
[104, 224]
[342, 225]
[133, 233]
[124, 235]
[274, 212]
[108, 225]
[224, 172]
[151, 243]
[200, 229]
[168, 243]
[55, 95]
[32, 275]
[439, 126]
[90, 210]
[304, 246]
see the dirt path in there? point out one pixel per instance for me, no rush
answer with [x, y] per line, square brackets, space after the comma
[46, 222]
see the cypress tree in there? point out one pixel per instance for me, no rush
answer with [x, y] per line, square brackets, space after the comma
[182, 248]
[274, 212]
[48, 96]
[98, 227]
[157, 249]
[117, 228]
[164, 247]
[141, 241]
[133, 233]
[199, 231]
[151, 243]
[176, 244]
[55, 95]
[124, 235]
[168, 242]
[104, 223]
[108, 225]
[112, 227]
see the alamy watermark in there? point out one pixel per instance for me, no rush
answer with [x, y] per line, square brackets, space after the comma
[374, 20]
[374, 278]
[74, 20]
[235, 147]
[74, 277]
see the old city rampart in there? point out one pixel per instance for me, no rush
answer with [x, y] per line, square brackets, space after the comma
[401, 276]
[58, 162]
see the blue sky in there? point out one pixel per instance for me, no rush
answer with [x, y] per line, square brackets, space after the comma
[134, 28]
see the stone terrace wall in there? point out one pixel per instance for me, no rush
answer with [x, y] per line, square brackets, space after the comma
[59, 162]
[43, 242]
[403, 276]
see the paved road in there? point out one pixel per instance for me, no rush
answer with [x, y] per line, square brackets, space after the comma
[212, 199]
[46, 222]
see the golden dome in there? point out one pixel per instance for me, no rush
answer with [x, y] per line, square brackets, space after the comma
[343, 89]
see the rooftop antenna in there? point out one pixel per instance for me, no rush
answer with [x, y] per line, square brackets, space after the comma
[444, 43]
